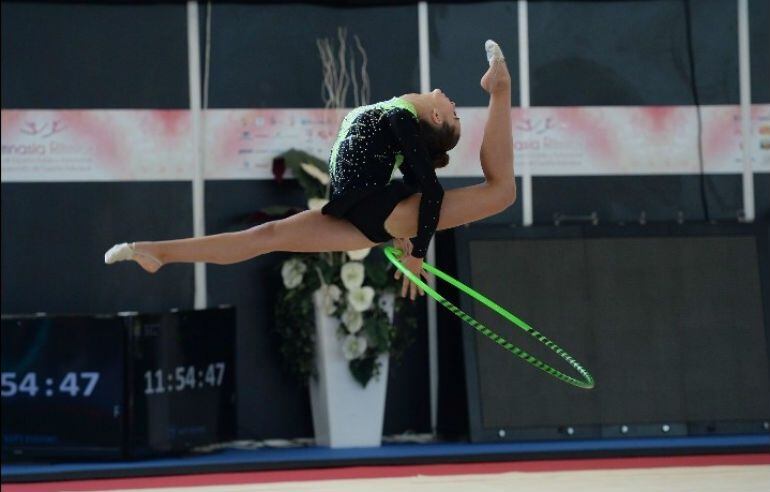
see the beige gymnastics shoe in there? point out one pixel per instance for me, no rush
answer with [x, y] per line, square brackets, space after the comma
[126, 251]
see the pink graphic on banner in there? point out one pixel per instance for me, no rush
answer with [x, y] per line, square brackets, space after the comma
[96, 145]
[170, 124]
[660, 120]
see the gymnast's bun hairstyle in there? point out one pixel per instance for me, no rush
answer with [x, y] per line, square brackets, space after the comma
[438, 140]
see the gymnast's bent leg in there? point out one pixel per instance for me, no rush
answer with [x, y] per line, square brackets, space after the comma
[498, 192]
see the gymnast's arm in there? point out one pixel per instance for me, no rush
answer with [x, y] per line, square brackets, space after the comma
[417, 167]
[430, 208]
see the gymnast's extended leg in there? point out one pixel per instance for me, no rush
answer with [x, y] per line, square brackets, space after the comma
[306, 232]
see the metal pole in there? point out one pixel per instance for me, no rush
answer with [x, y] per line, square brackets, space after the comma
[199, 227]
[526, 176]
[747, 149]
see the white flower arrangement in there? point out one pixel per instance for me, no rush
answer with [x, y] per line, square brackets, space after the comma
[331, 295]
[352, 275]
[365, 330]
[292, 272]
[353, 347]
[353, 320]
[361, 298]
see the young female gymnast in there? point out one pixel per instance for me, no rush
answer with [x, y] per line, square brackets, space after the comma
[412, 133]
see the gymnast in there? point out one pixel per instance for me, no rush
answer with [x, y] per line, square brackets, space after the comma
[367, 207]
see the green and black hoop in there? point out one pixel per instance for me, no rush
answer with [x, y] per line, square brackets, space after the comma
[587, 382]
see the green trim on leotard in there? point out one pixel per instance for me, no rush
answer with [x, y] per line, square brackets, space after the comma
[384, 106]
[398, 102]
[399, 160]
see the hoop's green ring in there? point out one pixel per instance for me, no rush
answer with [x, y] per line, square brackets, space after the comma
[588, 382]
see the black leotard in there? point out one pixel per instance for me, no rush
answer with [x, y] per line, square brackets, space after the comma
[373, 142]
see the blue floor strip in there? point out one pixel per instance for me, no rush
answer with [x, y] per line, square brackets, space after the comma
[318, 456]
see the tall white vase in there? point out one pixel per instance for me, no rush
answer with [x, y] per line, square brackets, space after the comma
[345, 414]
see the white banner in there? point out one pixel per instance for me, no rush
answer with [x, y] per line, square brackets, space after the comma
[128, 145]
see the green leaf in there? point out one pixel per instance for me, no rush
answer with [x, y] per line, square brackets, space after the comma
[378, 277]
[294, 159]
[378, 331]
[363, 369]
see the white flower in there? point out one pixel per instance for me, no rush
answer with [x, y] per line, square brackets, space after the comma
[361, 299]
[330, 294]
[316, 203]
[353, 347]
[316, 173]
[352, 274]
[359, 254]
[353, 320]
[334, 291]
[292, 271]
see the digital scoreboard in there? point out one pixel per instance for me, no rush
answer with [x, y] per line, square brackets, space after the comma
[182, 380]
[63, 386]
[117, 386]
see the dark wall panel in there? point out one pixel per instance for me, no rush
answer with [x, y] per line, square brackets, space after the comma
[457, 57]
[624, 198]
[54, 237]
[68, 55]
[762, 196]
[554, 300]
[407, 403]
[720, 307]
[452, 393]
[759, 40]
[671, 327]
[266, 56]
[631, 53]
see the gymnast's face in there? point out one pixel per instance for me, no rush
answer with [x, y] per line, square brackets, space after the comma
[444, 111]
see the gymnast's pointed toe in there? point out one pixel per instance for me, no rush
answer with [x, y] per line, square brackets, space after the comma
[494, 53]
[128, 251]
[497, 78]
[119, 252]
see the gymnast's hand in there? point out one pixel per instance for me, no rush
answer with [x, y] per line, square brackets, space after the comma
[404, 244]
[413, 264]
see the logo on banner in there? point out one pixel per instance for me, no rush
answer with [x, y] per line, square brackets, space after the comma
[41, 133]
